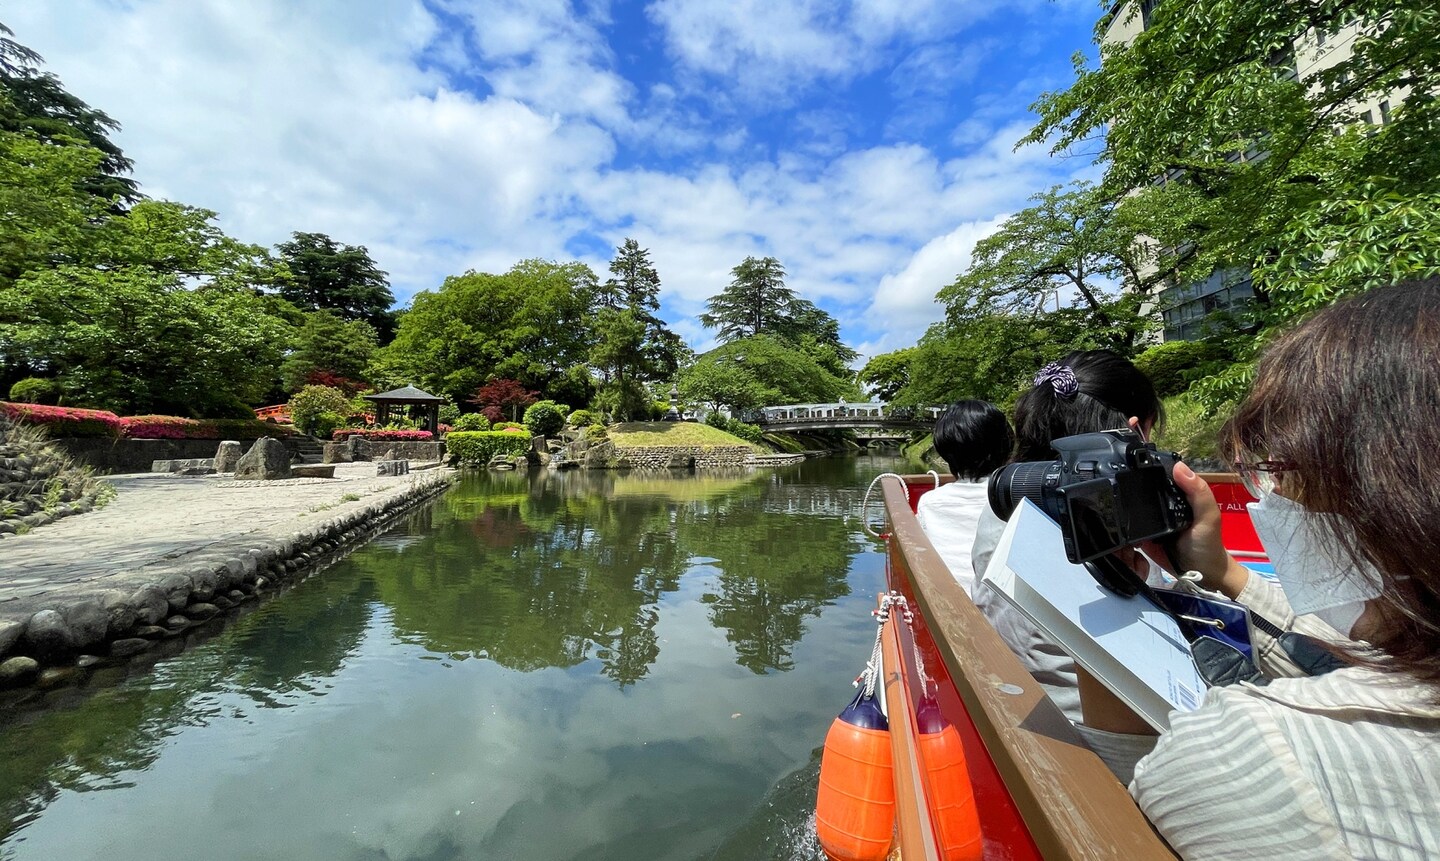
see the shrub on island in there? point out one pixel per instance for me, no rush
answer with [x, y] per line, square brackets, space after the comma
[545, 418]
[384, 435]
[472, 422]
[477, 447]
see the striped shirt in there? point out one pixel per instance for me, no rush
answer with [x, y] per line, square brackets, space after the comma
[1345, 765]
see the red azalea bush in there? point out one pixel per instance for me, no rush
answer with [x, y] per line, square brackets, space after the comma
[175, 427]
[64, 421]
[383, 435]
[73, 422]
[159, 427]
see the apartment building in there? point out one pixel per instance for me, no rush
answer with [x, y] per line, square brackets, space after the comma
[1185, 308]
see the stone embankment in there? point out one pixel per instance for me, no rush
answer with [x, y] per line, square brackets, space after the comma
[357, 449]
[685, 456]
[173, 552]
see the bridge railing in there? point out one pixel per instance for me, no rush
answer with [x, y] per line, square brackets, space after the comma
[841, 414]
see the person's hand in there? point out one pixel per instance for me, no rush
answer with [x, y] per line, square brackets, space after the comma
[1199, 548]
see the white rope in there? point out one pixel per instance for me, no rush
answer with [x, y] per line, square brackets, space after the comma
[935, 475]
[865, 503]
[871, 674]
[872, 666]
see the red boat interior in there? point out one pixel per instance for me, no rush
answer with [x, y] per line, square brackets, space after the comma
[1039, 792]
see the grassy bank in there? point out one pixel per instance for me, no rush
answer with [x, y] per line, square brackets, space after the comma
[643, 434]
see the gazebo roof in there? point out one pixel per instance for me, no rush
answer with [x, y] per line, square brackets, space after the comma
[406, 395]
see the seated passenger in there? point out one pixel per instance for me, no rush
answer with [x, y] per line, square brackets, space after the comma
[1338, 439]
[975, 439]
[1084, 392]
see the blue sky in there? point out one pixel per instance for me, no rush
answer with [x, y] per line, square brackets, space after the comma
[867, 144]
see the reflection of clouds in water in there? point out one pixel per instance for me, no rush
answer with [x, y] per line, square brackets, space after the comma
[412, 759]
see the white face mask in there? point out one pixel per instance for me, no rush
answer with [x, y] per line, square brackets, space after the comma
[1312, 569]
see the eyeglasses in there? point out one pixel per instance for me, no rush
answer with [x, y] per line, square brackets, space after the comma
[1259, 477]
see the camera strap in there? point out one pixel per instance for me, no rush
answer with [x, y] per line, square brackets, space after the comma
[1220, 659]
[1217, 657]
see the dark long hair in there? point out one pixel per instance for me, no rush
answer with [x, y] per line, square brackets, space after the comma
[1111, 391]
[1351, 398]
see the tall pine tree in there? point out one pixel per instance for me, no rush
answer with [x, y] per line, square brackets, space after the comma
[755, 301]
[633, 346]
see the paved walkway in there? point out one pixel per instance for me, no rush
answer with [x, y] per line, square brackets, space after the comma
[161, 523]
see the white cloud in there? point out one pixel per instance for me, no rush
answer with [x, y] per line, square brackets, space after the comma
[905, 299]
[767, 49]
[357, 120]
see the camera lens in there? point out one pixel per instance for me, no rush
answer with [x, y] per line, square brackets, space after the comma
[1017, 481]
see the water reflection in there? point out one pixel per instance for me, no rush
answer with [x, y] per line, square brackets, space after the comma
[544, 665]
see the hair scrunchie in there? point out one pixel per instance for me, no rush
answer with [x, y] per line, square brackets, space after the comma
[1061, 378]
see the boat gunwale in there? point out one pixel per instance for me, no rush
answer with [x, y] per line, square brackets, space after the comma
[1070, 802]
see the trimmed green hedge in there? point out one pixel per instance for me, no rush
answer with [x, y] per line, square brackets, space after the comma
[477, 447]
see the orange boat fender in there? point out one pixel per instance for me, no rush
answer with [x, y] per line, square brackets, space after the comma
[855, 802]
[952, 798]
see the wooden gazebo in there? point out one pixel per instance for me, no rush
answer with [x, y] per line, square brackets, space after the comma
[408, 397]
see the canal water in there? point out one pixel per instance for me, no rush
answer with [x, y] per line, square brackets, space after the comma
[542, 666]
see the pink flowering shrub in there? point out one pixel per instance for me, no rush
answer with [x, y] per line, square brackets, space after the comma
[383, 435]
[64, 421]
[175, 427]
[164, 427]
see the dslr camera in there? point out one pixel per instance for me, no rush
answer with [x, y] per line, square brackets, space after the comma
[1108, 490]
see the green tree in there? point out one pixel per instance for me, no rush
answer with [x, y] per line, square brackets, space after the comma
[37, 103]
[888, 373]
[46, 216]
[633, 281]
[150, 310]
[813, 330]
[992, 354]
[339, 278]
[1070, 243]
[1221, 151]
[632, 345]
[716, 385]
[530, 324]
[328, 343]
[755, 301]
[134, 341]
[760, 371]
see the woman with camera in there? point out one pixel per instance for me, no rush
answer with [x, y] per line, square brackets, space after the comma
[1337, 439]
[1083, 392]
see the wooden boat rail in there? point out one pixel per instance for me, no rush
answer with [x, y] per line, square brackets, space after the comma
[1071, 805]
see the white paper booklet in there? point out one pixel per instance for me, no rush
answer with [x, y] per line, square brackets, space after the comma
[1127, 644]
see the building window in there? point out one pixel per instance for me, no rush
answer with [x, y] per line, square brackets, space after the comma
[1385, 112]
[1368, 118]
[1147, 8]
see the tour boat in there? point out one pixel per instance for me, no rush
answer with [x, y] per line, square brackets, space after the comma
[1016, 771]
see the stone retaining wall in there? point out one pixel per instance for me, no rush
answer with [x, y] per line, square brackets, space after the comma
[135, 455]
[338, 452]
[85, 626]
[685, 456]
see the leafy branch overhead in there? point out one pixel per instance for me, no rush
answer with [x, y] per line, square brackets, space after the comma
[1224, 125]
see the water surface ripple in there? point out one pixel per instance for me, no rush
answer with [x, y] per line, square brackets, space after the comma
[543, 666]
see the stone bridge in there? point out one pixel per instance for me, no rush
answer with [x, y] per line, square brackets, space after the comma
[869, 421]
